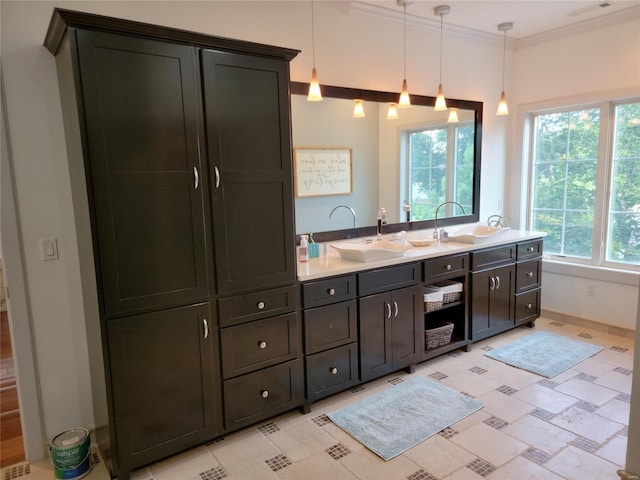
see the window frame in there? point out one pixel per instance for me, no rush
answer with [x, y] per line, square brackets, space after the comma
[604, 172]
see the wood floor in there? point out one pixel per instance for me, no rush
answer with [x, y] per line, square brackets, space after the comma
[11, 445]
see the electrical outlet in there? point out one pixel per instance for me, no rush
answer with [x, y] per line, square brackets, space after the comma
[591, 291]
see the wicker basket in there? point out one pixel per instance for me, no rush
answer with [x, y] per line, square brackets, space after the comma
[432, 299]
[438, 336]
[451, 291]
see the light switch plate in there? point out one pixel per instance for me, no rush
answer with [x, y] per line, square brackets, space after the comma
[49, 248]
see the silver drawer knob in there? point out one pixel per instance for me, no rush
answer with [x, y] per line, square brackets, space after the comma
[262, 344]
[529, 306]
[530, 249]
[333, 370]
[447, 267]
[331, 291]
[264, 393]
[260, 305]
[529, 274]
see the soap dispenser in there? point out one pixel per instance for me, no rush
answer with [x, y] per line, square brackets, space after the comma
[303, 249]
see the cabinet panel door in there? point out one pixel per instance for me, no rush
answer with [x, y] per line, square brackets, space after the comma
[375, 336]
[249, 149]
[166, 396]
[142, 139]
[492, 301]
[407, 326]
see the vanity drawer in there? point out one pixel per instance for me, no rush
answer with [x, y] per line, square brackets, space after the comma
[331, 371]
[493, 257]
[443, 268]
[388, 278]
[259, 344]
[263, 394]
[331, 290]
[528, 275]
[527, 306]
[330, 326]
[530, 249]
[254, 306]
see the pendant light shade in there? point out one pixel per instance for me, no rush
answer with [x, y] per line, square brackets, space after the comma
[453, 115]
[392, 113]
[441, 103]
[503, 109]
[358, 109]
[404, 100]
[315, 95]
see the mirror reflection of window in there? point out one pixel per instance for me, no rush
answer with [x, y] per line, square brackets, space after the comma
[430, 154]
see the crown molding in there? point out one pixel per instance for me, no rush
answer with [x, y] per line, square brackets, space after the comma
[383, 14]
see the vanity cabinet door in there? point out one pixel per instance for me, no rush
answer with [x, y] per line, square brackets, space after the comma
[492, 297]
[246, 100]
[166, 396]
[142, 115]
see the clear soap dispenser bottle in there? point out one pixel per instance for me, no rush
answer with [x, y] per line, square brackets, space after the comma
[303, 249]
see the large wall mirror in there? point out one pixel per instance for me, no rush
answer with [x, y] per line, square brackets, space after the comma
[347, 168]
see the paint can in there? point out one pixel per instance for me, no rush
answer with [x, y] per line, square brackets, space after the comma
[71, 454]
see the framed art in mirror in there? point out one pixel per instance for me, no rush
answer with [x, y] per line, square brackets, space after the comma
[322, 171]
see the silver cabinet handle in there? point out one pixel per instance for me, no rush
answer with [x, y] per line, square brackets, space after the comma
[215, 169]
[529, 306]
[492, 283]
[529, 274]
[331, 291]
[264, 393]
[205, 327]
[196, 178]
[260, 305]
[388, 307]
[447, 267]
[497, 282]
[262, 344]
[333, 370]
[395, 309]
[530, 249]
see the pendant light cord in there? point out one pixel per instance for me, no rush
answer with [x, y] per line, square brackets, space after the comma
[441, 19]
[504, 57]
[313, 37]
[404, 68]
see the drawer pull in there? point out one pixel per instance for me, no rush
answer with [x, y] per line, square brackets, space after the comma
[529, 274]
[530, 249]
[529, 306]
[447, 267]
[264, 393]
[262, 344]
[333, 370]
[331, 291]
[260, 305]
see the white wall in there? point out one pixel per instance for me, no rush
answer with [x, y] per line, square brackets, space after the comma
[350, 51]
[594, 66]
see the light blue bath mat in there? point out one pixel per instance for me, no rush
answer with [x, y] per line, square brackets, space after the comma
[400, 417]
[544, 353]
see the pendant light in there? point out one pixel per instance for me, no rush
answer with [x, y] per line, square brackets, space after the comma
[502, 106]
[315, 95]
[392, 113]
[441, 104]
[405, 100]
[358, 109]
[453, 115]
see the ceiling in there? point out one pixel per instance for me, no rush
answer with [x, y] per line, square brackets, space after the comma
[531, 18]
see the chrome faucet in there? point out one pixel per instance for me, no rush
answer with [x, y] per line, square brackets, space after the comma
[353, 212]
[435, 223]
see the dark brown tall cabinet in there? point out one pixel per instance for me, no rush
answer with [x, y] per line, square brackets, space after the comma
[185, 146]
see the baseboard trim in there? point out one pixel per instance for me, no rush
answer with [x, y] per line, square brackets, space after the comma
[583, 322]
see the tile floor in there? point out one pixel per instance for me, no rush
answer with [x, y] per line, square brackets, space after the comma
[573, 426]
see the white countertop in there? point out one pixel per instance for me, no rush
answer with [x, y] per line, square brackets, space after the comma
[332, 264]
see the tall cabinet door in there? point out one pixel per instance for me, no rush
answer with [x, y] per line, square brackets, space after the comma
[492, 302]
[162, 379]
[247, 120]
[142, 115]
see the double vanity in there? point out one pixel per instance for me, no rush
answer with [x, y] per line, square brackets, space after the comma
[363, 320]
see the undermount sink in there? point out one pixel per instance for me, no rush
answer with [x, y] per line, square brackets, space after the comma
[368, 252]
[477, 234]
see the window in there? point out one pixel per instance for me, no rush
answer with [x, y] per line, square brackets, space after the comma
[585, 183]
[439, 167]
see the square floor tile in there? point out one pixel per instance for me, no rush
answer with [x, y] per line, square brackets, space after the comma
[574, 463]
[490, 444]
[587, 424]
